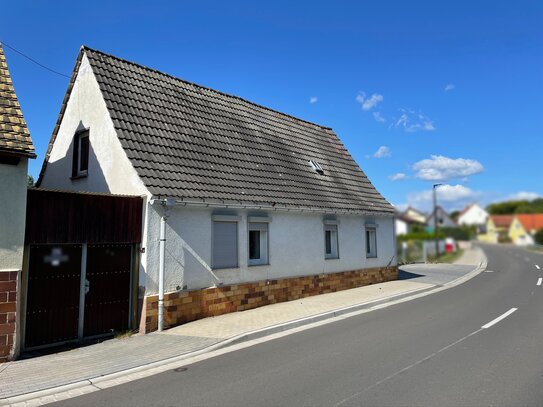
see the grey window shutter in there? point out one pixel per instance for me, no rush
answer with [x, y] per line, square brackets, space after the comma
[225, 244]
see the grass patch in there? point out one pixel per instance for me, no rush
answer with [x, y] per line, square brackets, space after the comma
[447, 257]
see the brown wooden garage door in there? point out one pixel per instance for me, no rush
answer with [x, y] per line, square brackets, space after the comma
[58, 277]
[52, 308]
[107, 301]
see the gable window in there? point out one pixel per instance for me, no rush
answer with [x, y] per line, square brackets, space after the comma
[331, 249]
[371, 241]
[225, 242]
[80, 164]
[258, 243]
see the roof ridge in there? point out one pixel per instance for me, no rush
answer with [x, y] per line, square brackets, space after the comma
[87, 48]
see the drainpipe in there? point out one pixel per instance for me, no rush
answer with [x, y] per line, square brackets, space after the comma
[166, 204]
[162, 248]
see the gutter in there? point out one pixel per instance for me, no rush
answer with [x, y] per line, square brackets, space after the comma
[273, 207]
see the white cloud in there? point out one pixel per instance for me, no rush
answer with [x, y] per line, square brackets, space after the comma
[382, 152]
[450, 86]
[370, 102]
[411, 121]
[399, 176]
[523, 196]
[313, 99]
[440, 168]
[448, 196]
[378, 117]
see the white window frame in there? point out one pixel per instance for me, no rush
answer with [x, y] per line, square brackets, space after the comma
[370, 240]
[331, 227]
[224, 219]
[262, 226]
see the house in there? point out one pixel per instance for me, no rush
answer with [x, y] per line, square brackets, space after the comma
[473, 215]
[244, 206]
[401, 225]
[524, 227]
[497, 229]
[414, 216]
[16, 149]
[443, 219]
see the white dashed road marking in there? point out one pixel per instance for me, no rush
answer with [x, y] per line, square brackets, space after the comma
[503, 316]
[537, 267]
[539, 281]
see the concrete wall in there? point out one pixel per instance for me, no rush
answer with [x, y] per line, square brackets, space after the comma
[296, 248]
[13, 184]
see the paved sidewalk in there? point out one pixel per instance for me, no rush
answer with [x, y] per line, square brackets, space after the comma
[116, 355]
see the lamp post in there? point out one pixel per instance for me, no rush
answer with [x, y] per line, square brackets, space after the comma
[435, 220]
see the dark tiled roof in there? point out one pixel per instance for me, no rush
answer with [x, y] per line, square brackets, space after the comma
[197, 144]
[14, 136]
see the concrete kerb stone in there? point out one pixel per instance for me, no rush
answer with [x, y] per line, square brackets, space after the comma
[248, 336]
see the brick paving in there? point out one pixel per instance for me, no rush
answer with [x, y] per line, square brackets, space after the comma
[116, 355]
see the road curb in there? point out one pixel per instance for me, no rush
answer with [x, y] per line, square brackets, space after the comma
[248, 336]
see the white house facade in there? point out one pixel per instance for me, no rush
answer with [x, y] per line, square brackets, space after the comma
[252, 206]
[16, 149]
[473, 215]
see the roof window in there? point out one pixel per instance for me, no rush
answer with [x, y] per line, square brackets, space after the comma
[317, 167]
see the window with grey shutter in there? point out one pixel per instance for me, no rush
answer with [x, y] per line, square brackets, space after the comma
[331, 247]
[225, 245]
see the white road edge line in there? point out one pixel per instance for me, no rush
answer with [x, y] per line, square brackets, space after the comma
[503, 316]
[539, 281]
[537, 267]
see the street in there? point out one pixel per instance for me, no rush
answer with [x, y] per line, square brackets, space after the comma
[475, 344]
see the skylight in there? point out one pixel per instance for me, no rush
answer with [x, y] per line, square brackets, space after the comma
[317, 167]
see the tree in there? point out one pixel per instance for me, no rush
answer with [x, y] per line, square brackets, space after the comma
[30, 181]
[539, 236]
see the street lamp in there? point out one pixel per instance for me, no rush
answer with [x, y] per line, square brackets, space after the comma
[435, 220]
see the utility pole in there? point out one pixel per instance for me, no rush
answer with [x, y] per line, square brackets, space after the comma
[435, 220]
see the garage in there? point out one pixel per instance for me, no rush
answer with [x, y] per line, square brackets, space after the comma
[81, 266]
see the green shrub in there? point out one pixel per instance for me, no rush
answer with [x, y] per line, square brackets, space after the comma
[539, 236]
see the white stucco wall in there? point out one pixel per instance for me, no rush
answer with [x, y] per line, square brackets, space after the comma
[13, 184]
[296, 248]
[475, 215]
[109, 168]
[401, 227]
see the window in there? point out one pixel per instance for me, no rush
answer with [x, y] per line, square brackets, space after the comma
[371, 242]
[80, 164]
[225, 244]
[258, 243]
[330, 242]
[317, 167]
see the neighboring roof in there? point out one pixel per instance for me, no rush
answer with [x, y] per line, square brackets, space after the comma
[196, 144]
[502, 221]
[443, 215]
[14, 135]
[531, 221]
[413, 215]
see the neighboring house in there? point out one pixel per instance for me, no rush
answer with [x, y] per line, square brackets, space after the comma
[497, 229]
[473, 215]
[257, 206]
[15, 150]
[524, 227]
[401, 226]
[414, 216]
[443, 219]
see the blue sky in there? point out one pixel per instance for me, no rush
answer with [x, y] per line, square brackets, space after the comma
[446, 92]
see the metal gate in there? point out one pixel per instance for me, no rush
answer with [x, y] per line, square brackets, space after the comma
[76, 292]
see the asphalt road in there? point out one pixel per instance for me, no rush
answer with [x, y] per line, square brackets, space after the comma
[432, 351]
